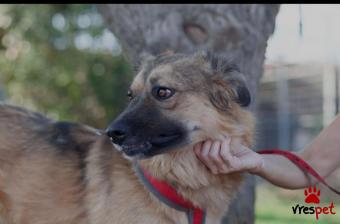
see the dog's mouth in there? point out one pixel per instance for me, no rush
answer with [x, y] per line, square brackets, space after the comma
[147, 148]
[134, 149]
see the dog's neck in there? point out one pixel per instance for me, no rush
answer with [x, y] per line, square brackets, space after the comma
[179, 167]
[193, 180]
[182, 168]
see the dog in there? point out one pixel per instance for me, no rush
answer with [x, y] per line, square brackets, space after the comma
[55, 172]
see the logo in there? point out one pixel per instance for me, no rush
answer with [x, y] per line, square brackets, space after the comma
[312, 196]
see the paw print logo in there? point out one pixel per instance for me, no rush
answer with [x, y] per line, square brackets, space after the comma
[312, 195]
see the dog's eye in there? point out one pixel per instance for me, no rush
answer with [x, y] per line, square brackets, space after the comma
[129, 94]
[162, 93]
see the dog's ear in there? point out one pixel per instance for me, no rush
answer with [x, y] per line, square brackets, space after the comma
[144, 59]
[228, 76]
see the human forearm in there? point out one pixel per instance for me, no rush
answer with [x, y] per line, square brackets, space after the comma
[323, 154]
[282, 172]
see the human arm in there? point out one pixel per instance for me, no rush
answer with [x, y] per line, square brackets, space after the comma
[323, 154]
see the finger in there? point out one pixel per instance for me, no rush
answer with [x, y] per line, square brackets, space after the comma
[197, 149]
[203, 150]
[205, 156]
[215, 157]
[225, 150]
[225, 153]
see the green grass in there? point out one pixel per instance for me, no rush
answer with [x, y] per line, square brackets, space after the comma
[274, 206]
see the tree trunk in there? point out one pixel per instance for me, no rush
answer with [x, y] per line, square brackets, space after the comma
[2, 95]
[237, 31]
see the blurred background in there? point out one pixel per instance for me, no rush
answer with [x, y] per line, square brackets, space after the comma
[298, 97]
[61, 60]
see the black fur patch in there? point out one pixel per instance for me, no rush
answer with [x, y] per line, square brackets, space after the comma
[61, 137]
[61, 134]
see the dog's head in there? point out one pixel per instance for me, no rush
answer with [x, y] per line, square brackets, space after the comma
[178, 100]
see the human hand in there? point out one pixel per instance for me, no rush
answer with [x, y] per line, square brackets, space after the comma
[219, 158]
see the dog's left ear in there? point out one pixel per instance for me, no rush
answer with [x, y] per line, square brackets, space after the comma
[228, 74]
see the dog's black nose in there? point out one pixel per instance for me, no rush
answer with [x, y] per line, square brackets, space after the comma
[117, 133]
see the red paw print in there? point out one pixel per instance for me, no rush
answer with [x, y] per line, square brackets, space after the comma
[312, 195]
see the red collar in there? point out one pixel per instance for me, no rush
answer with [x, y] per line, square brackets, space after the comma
[169, 195]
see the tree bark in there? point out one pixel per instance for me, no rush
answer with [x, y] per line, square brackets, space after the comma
[237, 31]
[2, 95]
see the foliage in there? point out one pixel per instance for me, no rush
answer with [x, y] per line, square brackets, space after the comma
[62, 61]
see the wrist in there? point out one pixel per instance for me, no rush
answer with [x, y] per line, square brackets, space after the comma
[260, 166]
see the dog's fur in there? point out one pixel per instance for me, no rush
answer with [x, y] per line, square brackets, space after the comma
[60, 172]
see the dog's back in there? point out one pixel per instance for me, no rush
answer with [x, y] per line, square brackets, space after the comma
[37, 157]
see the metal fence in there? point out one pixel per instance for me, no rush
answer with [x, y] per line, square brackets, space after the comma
[295, 102]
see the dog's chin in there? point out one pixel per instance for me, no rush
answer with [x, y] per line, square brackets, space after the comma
[147, 149]
[137, 151]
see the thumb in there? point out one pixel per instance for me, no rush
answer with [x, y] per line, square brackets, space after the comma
[241, 150]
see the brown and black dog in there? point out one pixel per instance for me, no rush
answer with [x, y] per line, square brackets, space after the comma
[61, 172]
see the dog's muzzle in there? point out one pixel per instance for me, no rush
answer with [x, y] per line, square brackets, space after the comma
[142, 143]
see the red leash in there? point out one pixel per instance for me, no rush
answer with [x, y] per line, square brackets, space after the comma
[303, 165]
[170, 196]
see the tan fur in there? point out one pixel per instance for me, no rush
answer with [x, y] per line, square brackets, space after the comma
[40, 183]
